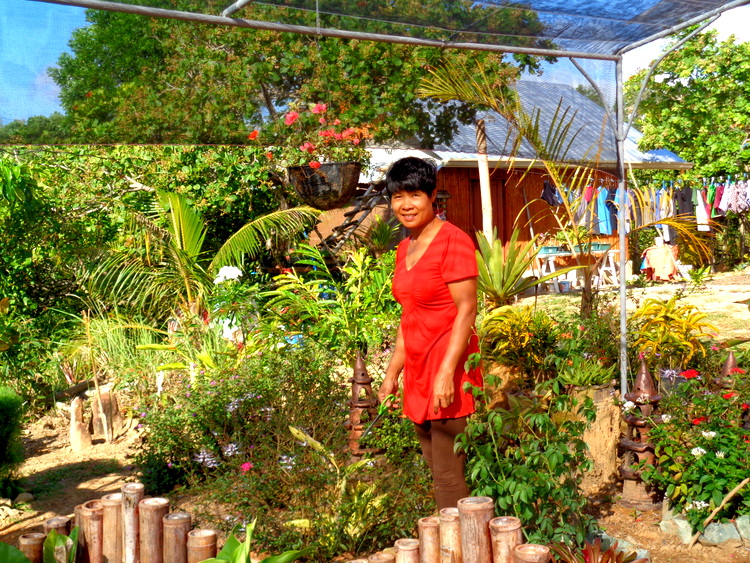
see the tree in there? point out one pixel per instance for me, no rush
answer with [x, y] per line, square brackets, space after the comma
[698, 105]
[133, 79]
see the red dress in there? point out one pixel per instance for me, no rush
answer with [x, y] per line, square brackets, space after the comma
[427, 319]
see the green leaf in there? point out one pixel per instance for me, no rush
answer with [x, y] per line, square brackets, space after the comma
[9, 554]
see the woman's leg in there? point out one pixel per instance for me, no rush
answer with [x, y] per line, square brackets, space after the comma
[437, 438]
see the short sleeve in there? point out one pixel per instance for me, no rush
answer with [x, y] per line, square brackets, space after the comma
[459, 257]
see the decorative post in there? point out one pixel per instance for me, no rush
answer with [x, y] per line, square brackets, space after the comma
[363, 401]
[92, 514]
[474, 514]
[61, 524]
[407, 550]
[450, 536]
[531, 553]
[132, 493]
[176, 528]
[506, 535]
[112, 522]
[201, 545]
[429, 539]
[150, 514]
[635, 493]
[32, 546]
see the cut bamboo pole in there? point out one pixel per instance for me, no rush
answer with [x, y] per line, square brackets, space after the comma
[32, 546]
[531, 553]
[450, 536]
[151, 511]
[92, 513]
[506, 534]
[132, 494]
[429, 539]
[82, 554]
[474, 515]
[61, 524]
[407, 550]
[201, 545]
[112, 522]
[176, 528]
[383, 557]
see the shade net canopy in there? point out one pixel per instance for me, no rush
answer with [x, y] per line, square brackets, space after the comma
[596, 28]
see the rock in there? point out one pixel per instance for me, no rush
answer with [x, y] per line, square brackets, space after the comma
[5, 502]
[23, 497]
[743, 526]
[80, 437]
[677, 527]
[717, 534]
[643, 554]
[666, 511]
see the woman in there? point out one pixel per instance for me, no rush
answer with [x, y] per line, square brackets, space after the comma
[436, 284]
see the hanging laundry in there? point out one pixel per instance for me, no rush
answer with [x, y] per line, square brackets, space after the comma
[550, 194]
[702, 211]
[603, 221]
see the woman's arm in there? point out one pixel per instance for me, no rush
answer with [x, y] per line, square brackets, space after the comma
[464, 293]
[395, 367]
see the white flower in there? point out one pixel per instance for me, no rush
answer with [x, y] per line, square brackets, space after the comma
[697, 505]
[666, 417]
[697, 452]
[720, 454]
[708, 434]
[227, 273]
[628, 406]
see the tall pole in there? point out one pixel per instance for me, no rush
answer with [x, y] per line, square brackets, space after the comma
[622, 208]
[484, 180]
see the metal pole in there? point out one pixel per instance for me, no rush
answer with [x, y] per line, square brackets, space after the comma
[621, 208]
[325, 32]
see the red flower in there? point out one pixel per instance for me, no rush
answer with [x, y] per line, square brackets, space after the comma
[322, 120]
[355, 141]
[337, 122]
[254, 135]
[269, 155]
[319, 108]
[291, 117]
[307, 147]
[314, 164]
[736, 370]
[730, 395]
[89, 94]
[689, 374]
[697, 421]
[745, 406]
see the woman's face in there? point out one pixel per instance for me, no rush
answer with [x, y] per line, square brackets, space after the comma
[413, 209]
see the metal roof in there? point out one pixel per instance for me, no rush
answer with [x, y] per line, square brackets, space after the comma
[599, 29]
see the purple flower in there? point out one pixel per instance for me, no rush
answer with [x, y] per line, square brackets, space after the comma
[206, 459]
[231, 449]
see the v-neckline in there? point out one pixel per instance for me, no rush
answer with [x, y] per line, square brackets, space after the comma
[426, 250]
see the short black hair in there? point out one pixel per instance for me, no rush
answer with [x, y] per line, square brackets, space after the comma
[411, 174]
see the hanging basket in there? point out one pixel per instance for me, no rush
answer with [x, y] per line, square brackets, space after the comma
[328, 187]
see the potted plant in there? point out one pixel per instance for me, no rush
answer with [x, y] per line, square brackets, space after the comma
[573, 237]
[323, 157]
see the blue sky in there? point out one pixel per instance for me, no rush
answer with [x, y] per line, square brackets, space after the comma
[33, 34]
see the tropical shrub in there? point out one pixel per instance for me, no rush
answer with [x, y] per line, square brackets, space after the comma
[11, 413]
[519, 337]
[701, 445]
[530, 460]
[671, 332]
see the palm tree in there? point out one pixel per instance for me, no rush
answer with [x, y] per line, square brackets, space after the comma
[168, 272]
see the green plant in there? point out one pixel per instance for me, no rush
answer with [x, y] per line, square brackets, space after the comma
[580, 371]
[11, 413]
[350, 311]
[530, 459]
[669, 331]
[502, 268]
[236, 552]
[58, 548]
[699, 276]
[701, 446]
[308, 135]
[570, 236]
[592, 553]
[519, 337]
[583, 355]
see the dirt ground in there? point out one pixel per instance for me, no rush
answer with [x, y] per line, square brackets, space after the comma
[60, 479]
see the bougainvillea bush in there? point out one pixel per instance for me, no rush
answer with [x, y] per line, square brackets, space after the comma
[702, 444]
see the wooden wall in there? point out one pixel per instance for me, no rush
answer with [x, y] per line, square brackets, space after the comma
[510, 192]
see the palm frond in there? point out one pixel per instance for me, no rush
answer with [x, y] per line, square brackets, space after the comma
[250, 239]
[186, 225]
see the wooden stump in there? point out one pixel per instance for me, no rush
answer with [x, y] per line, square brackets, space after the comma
[151, 511]
[474, 515]
[112, 519]
[61, 524]
[429, 539]
[80, 437]
[92, 529]
[176, 528]
[111, 413]
[407, 550]
[201, 545]
[32, 546]
[132, 494]
[450, 536]
[531, 553]
[506, 534]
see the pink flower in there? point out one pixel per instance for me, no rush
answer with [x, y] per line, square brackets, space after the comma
[715, 348]
[319, 108]
[307, 147]
[314, 164]
[337, 122]
[291, 117]
[245, 467]
[322, 120]
[730, 395]
[689, 374]
[355, 141]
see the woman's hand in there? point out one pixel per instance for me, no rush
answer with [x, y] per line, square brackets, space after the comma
[388, 387]
[442, 392]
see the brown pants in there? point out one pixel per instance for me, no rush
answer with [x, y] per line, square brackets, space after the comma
[437, 438]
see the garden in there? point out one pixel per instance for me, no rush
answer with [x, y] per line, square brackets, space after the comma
[229, 343]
